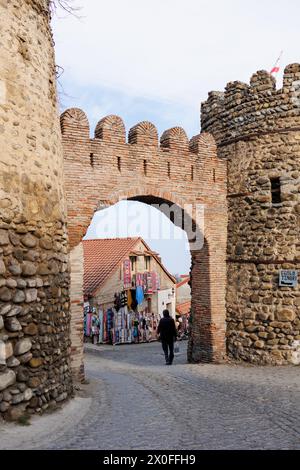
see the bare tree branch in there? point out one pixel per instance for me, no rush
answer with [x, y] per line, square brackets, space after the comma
[65, 5]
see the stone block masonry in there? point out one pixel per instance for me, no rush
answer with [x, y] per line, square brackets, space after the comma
[34, 270]
[257, 129]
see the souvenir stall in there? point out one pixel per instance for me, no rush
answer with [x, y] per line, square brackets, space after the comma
[128, 319]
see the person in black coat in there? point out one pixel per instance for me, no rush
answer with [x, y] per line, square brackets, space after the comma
[167, 333]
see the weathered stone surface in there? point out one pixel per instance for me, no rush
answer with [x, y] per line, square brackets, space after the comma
[34, 382]
[14, 238]
[9, 350]
[286, 315]
[2, 267]
[43, 269]
[16, 310]
[31, 329]
[28, 268]
[62, 397]
[15, 268]
[31, 295]
[21, 283]
[18, 254]
[22, 387]
[18, 398]
[22, 346]
[12, 324]
[6, 379]
[19, 297]
[5, 294]
[34, 402]
[27, 394]
[11, 283]
[29, 241]
[277, 324]
[4, 240]
[5, 309]
[12, 362]
[25, 358]
[35, 362]
[31, 255]
[4, 405]
[22, 374]
[7, 396]
[46, 244]
[14, 413]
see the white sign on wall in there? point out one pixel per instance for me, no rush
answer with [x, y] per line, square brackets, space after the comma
[288, 278]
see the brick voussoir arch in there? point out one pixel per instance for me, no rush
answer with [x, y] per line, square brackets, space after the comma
[103, 170]
[151, 191]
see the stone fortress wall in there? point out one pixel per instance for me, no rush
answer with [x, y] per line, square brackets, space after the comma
[257, 129]
[34, 272]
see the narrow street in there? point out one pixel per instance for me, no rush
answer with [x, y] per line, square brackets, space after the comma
[134, 401]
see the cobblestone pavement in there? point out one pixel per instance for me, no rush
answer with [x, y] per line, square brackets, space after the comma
[139, 403]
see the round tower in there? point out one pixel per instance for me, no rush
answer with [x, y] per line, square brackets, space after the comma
[34, 273]
[257, 129]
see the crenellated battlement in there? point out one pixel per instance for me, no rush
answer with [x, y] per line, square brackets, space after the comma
[243, 110]
[111, 130]
[135, 163]
[143, 133]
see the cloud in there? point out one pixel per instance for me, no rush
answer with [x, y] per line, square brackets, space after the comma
[174, 50]
[135, 219]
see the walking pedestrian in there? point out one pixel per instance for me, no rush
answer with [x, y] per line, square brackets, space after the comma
[167, 333]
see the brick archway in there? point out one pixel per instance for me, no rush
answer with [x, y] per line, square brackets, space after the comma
[103, 170]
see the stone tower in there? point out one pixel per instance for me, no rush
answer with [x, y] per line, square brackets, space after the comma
[257, 129]
[34, 273]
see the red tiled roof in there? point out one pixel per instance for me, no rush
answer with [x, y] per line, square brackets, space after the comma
[183, 309]
[181, 283]
[101, 257]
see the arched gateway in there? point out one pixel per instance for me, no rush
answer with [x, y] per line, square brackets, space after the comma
[184, 176]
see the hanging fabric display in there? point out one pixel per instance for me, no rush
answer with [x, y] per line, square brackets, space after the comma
[154, 281]
[101, 324]
[123, 298]
[109, 326]
[128, 320]
[139, 279]
[127, 274]
[139, 295]
[129, 299]
[145, 277]
[149, 284]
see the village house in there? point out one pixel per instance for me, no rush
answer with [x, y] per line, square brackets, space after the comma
[126, 289]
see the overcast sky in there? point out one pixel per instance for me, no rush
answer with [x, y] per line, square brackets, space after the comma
[157, 60]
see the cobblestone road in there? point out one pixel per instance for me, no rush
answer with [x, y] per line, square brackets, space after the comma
[139, 403]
